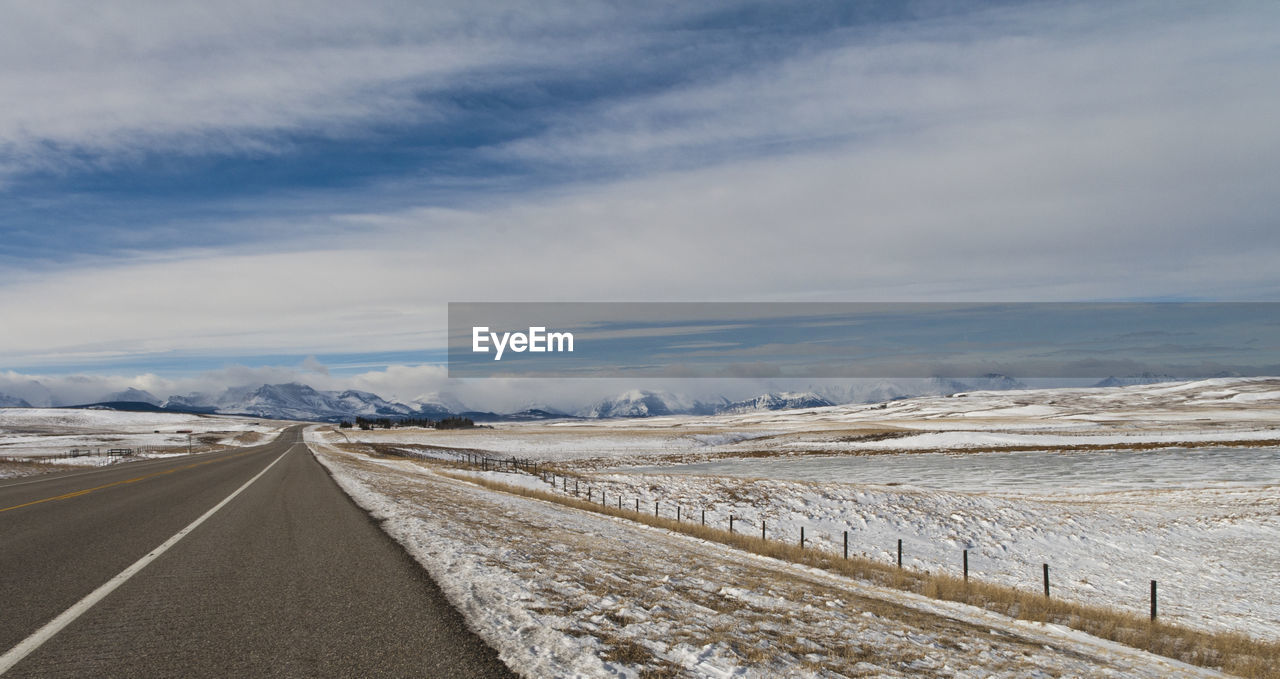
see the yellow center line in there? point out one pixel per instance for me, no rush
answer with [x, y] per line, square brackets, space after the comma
[86, 491]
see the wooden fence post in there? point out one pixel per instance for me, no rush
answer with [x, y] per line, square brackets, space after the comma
[730, 523]
[762, 537]
[966, 565]
[801, 537]
[1046, 580]
[1153, 601]
[704, 517]
[899, 552]
[655, 509]
[846, 544]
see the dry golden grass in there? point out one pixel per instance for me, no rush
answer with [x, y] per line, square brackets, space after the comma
[249, 437]
[1235, 653]
[15, 467]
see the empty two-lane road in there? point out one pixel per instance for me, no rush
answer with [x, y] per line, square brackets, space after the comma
[287, 578]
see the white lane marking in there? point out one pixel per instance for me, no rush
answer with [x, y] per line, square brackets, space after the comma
[31, 643]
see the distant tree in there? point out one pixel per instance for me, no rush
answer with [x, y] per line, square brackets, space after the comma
[455, 422]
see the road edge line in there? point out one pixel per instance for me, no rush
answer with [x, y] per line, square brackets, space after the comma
[37, 639]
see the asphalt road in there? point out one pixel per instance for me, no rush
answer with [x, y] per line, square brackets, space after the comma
[287, 579]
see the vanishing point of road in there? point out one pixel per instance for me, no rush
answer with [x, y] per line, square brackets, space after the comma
[243, 563]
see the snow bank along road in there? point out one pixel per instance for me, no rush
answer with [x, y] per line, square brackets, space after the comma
[243, 563]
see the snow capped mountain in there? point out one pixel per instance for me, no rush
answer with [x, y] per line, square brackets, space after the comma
[786, 400]
[645, 403]
[191, 403]
[994, 382]
[536, 414]
[367, 403]
[290, 401]
[945, 386]
[295, 401]
[436, 404]
[7, 401]
[132, 395]
[1144, 378]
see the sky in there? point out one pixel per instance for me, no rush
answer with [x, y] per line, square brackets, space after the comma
[195, 195]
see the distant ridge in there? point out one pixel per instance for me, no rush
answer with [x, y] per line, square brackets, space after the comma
[7, 401]
[124, 406]
[1144, 378]
[296, 401]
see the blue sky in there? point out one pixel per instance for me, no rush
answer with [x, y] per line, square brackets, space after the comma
[442, 146]
[189, 191]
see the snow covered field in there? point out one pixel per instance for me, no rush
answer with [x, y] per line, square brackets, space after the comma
[1214, 550]
[1112, 487]
[47, 434]
[566, 593]
[1236, 410]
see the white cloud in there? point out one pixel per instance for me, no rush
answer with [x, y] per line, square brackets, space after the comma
[1040, 155]
[104, 83]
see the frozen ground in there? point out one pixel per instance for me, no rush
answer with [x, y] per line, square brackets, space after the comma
[565, 593]
[1020, 472]
[1112, 487]
[1214, 550]
[47, 435]
[1235, 411]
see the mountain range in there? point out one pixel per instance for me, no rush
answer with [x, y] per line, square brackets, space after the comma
[293, 401]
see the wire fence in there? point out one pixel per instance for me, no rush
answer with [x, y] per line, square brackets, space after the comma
[724, 514]
[74, 453]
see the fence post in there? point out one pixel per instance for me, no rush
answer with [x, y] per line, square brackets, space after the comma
[619, 501]
[655, 509]
[637, 505]
[704, 517]
[677, 513]
[575, 488]
[1046, 580]
[588, 495]
[730, 523]
[1153, 601]
[762, 537]
[966, 565]
[846, 544]
[899, 552]
[801, 537]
